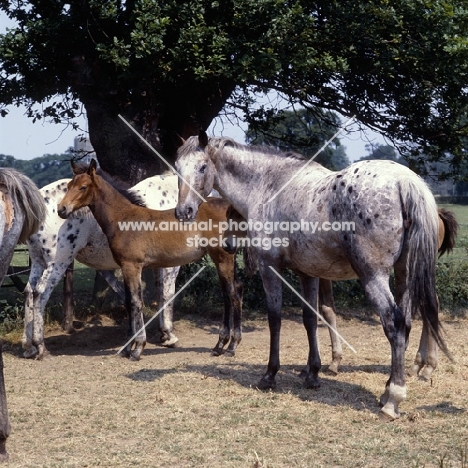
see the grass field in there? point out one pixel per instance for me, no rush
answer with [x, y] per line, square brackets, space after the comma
[181, 408]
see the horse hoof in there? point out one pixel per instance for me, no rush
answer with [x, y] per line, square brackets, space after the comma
[229, 353]
[388, 414]
[31, 353]
[125, 353]
[134, 357]
[333, 368]
[413, 371]
[43, 356]
[426, 374]
[3, 457]
[312, 382]
[266, 384]
[171, 343]
[216, 352]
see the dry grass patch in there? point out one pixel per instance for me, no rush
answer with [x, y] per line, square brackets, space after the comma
[86, 407]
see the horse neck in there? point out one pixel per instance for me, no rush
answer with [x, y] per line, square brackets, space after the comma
[247, 178]
[107, 205]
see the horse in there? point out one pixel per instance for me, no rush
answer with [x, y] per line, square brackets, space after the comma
[22, 210]
[373, 216]
[155, 247]
[59, 242]
[426, 357]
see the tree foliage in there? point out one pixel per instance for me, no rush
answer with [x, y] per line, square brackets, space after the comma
[379, 151]
[170, 67]
[305, 131]
[42, 170]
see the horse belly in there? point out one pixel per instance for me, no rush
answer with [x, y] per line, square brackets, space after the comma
[97, 253]
[320, 257]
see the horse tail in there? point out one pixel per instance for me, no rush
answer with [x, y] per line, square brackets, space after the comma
[25, 194]
[450, 231]
[421, 238]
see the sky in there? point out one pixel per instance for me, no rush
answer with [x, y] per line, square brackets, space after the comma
[23, 139]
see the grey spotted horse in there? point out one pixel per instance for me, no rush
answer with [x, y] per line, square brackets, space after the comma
[394, 225]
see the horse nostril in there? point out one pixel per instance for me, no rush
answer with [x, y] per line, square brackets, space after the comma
[62, 212]
[189, 211]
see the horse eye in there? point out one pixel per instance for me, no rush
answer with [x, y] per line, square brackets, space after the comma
[83, 187]
[203, 168]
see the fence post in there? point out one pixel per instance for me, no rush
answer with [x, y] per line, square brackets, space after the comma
[67, 310]
[5, 428]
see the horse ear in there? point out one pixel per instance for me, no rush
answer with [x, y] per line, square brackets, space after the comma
[92, 167]
[178, 140]
[75, 167]
[202, 139]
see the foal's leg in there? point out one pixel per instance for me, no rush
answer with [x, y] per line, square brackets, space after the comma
[134, 303]
[274, 296]
[310, 288]
[395, 325]
[232, 294]
[165, 290]
[328, 311]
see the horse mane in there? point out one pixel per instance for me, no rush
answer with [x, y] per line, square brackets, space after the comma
[217, 144]
[220, 143]
[25, 194]
[124, 188]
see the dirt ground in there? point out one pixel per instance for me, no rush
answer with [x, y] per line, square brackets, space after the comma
[87, 407]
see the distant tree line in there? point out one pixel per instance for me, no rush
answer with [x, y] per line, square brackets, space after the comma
[42, 170]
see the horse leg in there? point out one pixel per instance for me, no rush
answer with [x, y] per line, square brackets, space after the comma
[274, 296]
[41, 294]
[134, 303]
[427, 351]
[37, 268]
[165, 290]
[232, 294]
[328, 311]
[309, 287]
[395, 325]
[426, 357]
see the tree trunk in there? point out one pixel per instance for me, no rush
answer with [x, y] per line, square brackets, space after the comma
[159, 115]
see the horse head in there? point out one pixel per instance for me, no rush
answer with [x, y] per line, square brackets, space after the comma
[196, 176]
[80, 190]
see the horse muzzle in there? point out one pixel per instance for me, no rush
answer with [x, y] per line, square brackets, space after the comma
[185, 213]
[63, 212]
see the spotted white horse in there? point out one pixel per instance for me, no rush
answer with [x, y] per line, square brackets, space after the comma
[58, 242]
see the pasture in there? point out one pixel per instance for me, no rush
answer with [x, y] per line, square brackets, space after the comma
[182, 407]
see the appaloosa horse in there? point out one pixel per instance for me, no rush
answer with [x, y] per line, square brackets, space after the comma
[426, 357]
[22, 210]
[391, 221]
[59, 242]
